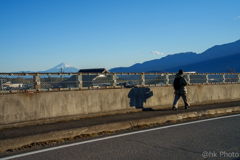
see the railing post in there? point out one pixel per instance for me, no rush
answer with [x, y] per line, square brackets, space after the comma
[80, 84]
[206, 78]
[143, 79]
[224, 78]
[167, 79]
[114, 78]
[238, 78]
[37, 82]
[188, 77]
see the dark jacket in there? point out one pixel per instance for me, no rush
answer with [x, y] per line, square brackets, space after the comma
[183, 82]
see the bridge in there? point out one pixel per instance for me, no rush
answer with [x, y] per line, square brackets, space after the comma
[41, 96]
[106, 94]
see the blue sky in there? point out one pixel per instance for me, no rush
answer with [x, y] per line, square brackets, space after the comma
[37, 35]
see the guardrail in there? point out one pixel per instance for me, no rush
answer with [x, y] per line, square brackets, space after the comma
[27, 82]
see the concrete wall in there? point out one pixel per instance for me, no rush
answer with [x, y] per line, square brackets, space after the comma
[23, 108]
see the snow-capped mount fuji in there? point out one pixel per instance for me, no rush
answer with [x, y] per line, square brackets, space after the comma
[64, 67]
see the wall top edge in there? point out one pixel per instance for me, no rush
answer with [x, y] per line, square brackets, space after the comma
[113, 73]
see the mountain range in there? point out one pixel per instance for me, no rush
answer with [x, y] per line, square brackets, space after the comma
[219, 58]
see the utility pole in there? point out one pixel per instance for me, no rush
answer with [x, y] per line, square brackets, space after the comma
[61, 75]
[1, 84]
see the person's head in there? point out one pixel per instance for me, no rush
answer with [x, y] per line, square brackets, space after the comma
[180, 71]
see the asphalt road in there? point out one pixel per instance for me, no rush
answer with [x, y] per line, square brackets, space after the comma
[217, 138]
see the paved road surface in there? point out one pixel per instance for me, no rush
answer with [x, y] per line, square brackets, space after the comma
[212, 138]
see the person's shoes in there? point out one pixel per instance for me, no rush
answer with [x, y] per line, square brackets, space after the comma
[174, 108]
[187, 107]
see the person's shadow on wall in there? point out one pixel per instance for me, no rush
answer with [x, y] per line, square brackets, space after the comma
[138, 96]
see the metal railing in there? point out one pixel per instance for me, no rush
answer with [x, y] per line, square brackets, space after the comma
[27, 82]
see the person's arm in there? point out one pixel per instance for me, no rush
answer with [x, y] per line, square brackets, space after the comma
[183, 81]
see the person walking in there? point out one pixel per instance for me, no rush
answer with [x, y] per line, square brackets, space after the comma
[180, 90]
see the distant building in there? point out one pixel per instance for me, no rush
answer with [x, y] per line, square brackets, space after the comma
[13, 85]
[94, 70]
[96, 80]
[89, 80]
[191, 72]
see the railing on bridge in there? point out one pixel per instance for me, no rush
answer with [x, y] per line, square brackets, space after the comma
[26, 82]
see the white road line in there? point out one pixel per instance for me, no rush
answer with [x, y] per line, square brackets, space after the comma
[116, 136]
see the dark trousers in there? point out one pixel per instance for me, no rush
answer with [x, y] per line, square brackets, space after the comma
[184, 97]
